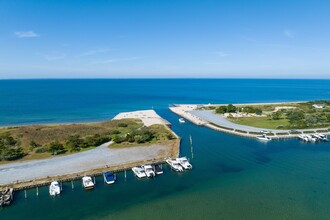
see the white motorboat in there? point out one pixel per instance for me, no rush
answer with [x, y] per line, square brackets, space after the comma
[54, 188]
[148, 170]
[181, 120]
[263, 138]
[139, 172]
[311, 138]
[323, 137]
[6, 196]
[87, 182]
[183, 161]
[175, 165]
[109, 177]
[303, 137]
[157, 169]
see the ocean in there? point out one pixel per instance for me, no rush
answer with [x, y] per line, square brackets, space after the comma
[232, 177]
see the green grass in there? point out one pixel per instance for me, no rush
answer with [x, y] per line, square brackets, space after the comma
[260, 122]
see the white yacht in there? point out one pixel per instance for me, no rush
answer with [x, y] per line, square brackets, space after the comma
[181, 120]
[54, 188]
[311, 138]
[183, 161]
[139, 172]
[175, 165]
[148, 170]
[263, 138]
[87, 182]
[303, 137]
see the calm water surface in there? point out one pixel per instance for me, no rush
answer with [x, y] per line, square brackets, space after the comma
[233, 177]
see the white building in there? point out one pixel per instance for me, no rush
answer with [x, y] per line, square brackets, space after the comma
[318, 106]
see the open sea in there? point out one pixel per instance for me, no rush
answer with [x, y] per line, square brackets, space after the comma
[232, 177]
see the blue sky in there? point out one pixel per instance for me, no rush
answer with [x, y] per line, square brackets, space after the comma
[164, 38]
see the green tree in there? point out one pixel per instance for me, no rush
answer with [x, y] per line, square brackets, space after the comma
[74, 142]
[221, 110]
[231, 108]
[276, 115]
[258, 111]
[56, 147]
[12, 153]
[295, 116]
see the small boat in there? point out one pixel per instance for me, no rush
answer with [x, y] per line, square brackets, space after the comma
[139, 172]
[303, 137]
[54, 188]
[263, 138]
[181, 120]
[311, 138]
[323, 137]
[148, 170]
[184, 163]
[157, 169]
[174, 164]
[6, 196]
[88, 182]
[109, 177]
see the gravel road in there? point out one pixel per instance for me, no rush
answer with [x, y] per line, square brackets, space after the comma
[79, 162]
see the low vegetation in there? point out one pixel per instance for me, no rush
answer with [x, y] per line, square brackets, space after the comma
[233, 109]
[41, 141]
[305, 115]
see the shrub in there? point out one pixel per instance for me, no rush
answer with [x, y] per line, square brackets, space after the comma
[39, 150]
[122, 125]
[115, 132]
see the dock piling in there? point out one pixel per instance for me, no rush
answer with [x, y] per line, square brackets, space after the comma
[61, 186]
[72, 186]
[25, 195]
[37, 191]
[125, 175]
[191, 148]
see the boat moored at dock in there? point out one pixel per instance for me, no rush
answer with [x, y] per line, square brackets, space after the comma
[157, 169]
[174, 164]
[109, 177]
[54, 188]
[87, 182]
[6, 196]
[263, 138]
[313, 137]
[148, 170]
[183, 161]
[139, 172]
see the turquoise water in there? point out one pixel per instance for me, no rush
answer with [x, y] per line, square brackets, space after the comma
[233, 177]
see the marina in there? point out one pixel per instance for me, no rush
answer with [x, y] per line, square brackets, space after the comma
[89, 182]
[232, 177]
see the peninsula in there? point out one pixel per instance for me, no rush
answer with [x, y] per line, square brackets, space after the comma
[47, 152]
[279, 120]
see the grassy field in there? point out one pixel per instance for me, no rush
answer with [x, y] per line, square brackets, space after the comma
[261, 122]
[303, 115]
